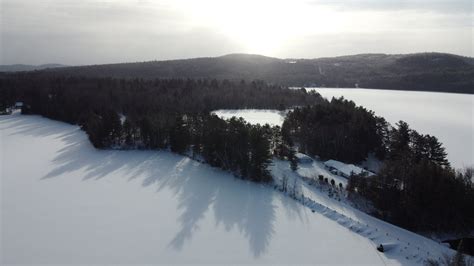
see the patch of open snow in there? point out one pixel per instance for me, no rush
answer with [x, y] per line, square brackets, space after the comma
[346, 169]
[317, 168]
[254, 116]
[303, 158]
[65, 202]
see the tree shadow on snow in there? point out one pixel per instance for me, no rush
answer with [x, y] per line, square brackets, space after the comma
[236, 204]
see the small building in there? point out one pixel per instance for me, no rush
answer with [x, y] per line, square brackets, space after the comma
[343, 169]
[303, 158]
[18, 105]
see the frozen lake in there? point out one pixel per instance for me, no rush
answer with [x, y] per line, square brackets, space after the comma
[64, 202]
[448, 116]
[254, 116]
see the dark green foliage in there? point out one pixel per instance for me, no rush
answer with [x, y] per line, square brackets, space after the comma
[65, 98]
[416, 188]
[335, 130]
[293, 161]
[103, 128]
[260, 153]
[180, 137]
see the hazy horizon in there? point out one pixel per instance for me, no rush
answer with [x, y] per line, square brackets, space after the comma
[235, 53]
[105, 31]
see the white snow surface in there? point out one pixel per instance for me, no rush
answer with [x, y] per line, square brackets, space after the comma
[254, 116]
[346, 169]
[64, 202]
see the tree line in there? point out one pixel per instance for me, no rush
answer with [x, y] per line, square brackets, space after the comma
[169, 114]
[416, 188]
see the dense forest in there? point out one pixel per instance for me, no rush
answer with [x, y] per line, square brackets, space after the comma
[416, 187]
[423, 71]
[164, 114]
[336, 130]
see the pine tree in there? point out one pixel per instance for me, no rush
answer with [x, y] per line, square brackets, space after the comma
[179, 135]
[436, 152]
[260, 154]
[293, 160]
[399, 140]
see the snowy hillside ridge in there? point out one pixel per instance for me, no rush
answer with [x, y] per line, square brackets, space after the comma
[64, 201]
[330, 201]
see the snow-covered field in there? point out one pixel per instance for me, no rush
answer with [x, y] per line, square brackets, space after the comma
[62, 201]
[448, 116]
[254, 116]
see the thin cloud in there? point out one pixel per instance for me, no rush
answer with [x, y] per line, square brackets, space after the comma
[107, 31]
[437, 6]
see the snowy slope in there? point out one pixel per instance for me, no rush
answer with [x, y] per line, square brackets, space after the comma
[65, 202]
[401, 245]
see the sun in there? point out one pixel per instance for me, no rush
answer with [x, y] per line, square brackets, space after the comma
[262, 26]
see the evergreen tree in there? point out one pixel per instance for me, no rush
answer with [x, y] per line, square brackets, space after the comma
[399, 140]
[260, 154]
[179, 135]
[293, 160]
[436, 152]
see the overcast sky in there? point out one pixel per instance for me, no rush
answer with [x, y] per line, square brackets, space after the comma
[106, 31]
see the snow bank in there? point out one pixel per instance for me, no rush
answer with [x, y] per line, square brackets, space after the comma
[303, 158]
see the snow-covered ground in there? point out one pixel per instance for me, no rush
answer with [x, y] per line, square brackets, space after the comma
[448, 116]
[254, 116]
[62, 201]
[346, 169]
[316, 168]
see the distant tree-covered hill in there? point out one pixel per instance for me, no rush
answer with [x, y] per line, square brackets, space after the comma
[423, 71]
[20, 67]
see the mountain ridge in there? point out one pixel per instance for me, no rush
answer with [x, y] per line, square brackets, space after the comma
[25, 67]
[419, 72]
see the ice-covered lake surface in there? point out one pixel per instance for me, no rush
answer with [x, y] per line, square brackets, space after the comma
[254, 116]
[64, 202]
[448, 116]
